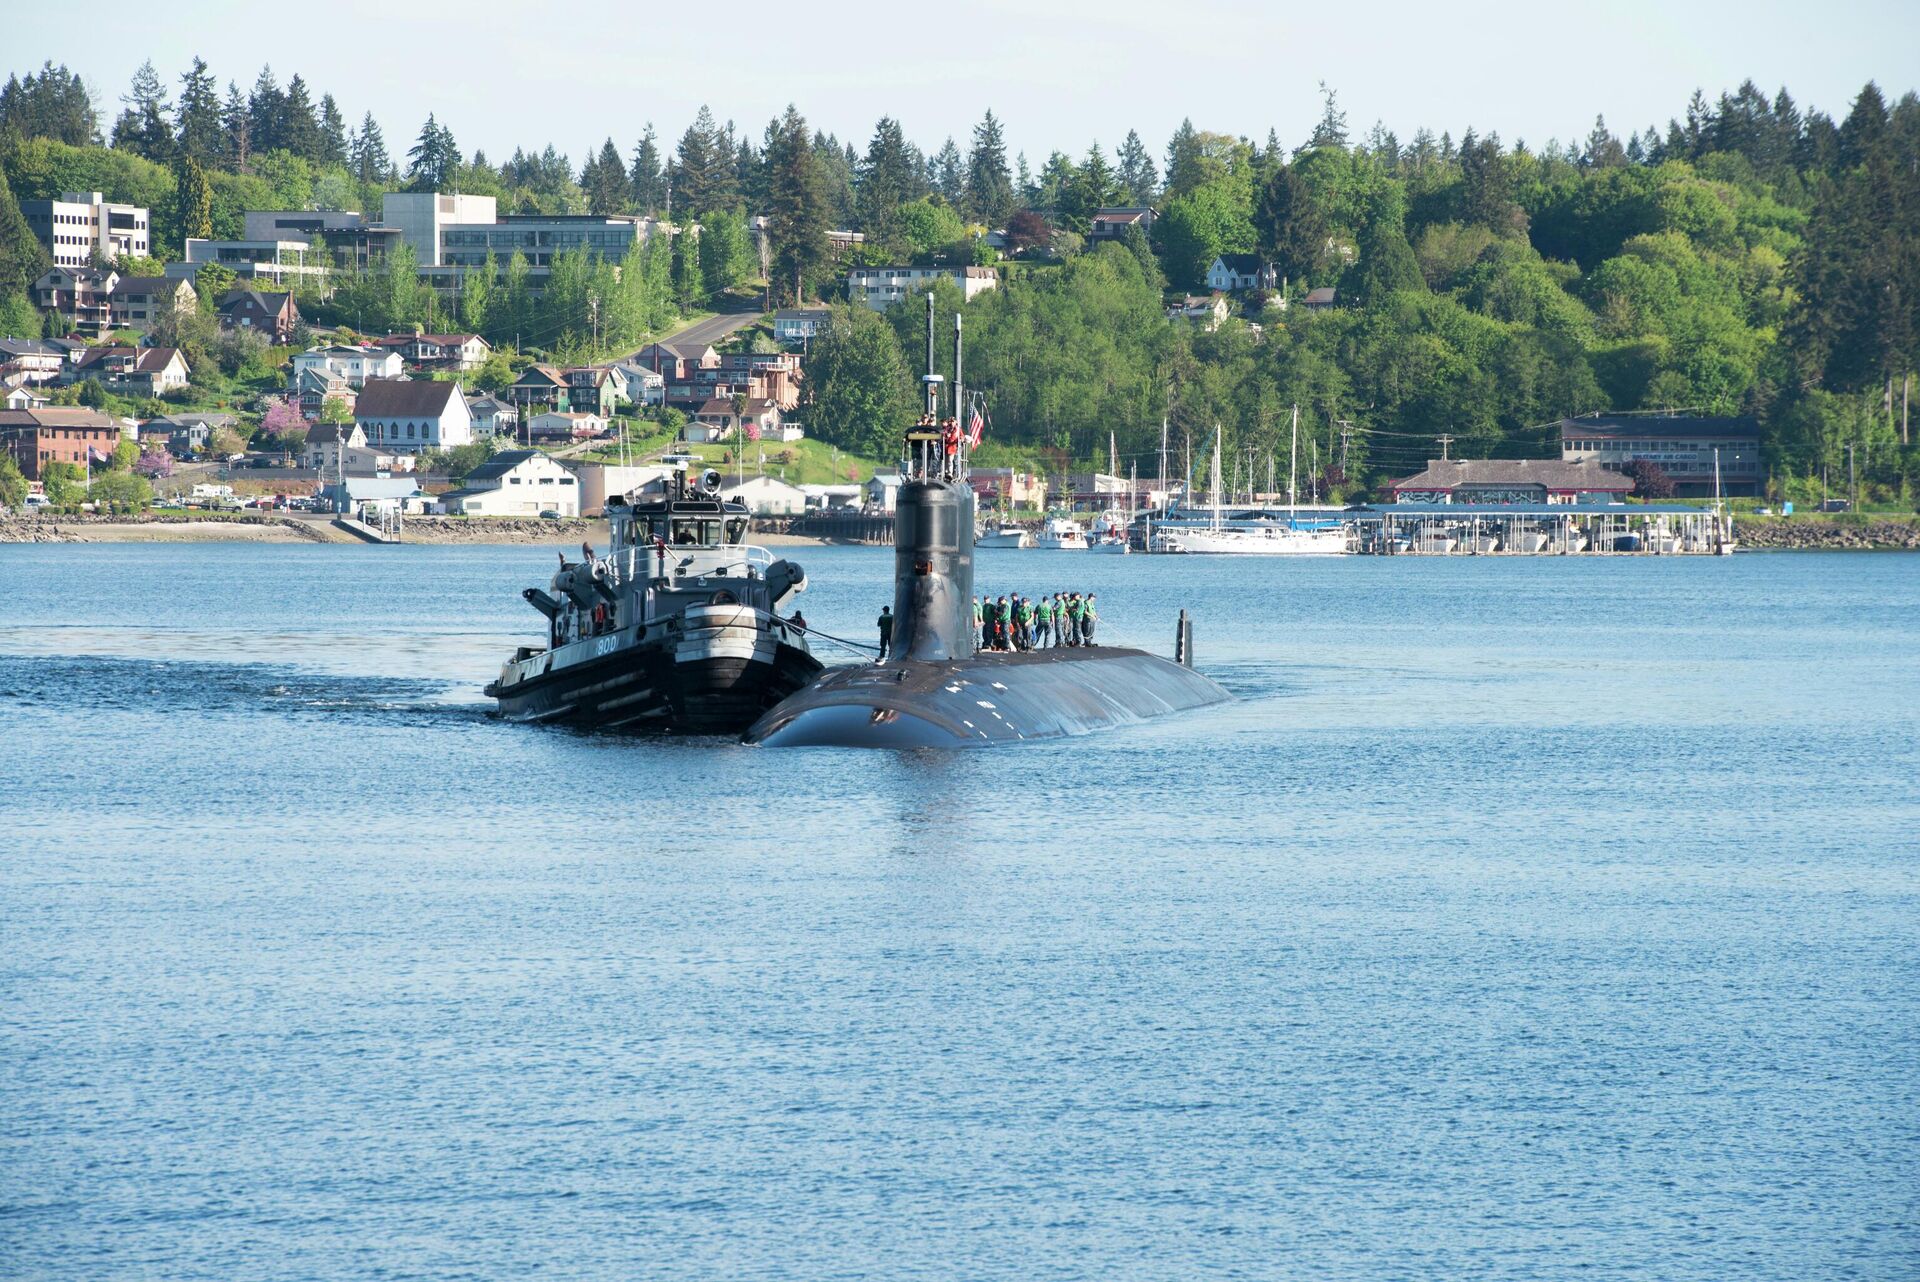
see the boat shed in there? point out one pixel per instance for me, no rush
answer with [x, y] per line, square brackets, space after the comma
[1511, 481]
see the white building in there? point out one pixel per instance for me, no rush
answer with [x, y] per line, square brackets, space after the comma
[352, 365]
[882, 287]
[643, 386]
[827, 498]
[408, 416]
[1234, 272]
[601, 483]
[279, 261]
[515, 483]
[766, 496]
[424, 216]
[799, 324]
[883, 491]
[492, 414]
[327, 441]
[82, 223]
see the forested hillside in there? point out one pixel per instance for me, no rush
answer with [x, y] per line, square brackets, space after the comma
[1750, 257]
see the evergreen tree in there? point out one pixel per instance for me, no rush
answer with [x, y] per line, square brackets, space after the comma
[50, 103]
[604, 179]
[367, 157]
[1289, 225]
[435, 158]
[22, 257]
[836, 178]
[1332, 129]
[1184, 161]
[299, 131]
[649, 185]
[1136, 175]
[265, 106]
[989, 184]
[1092, 188]
[333, 133]
[796, 219]
[193, 202]
[886, 176]
[949, 174]
[1603, 149]
[236, 130]
[142, 127]
[702, 172]
[200, 134]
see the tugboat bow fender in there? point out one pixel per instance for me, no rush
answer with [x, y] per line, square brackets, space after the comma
[784, 578]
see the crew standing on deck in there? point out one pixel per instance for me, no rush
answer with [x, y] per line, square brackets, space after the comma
[886, 633]
[1043, 622]
[1089, 618]
[979, 627]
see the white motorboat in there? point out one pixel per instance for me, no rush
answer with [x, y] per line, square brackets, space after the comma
[1528, 541]
[1061, 535]
[1432, 543]
[1005, 536]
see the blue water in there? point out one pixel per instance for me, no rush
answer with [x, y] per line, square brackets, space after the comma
[1521, 919]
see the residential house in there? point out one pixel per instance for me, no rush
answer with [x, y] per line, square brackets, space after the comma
[141, 302]
[1233, 273]
[1112, 223]
[408, 416]
[135, 371]
[566, 425]
[712, 423]
[456, 353]
[352, 364]
[882, 493]
[21, 396]
[1208, 310]
[1007, 487]
[1688, 448]
[275, 315]
[754, 419]
[57, 434]
[769, 376]
[315, 385]
[882, 287]
[676, 361]
[593, 388]
[1319, 299]
[643, 386]
[332, 448]
[80, 296]
[1523, 482]
[799, 324]
[493, 414]
[185, 434]
[766, 496]
[82, 225]
[515, 483]
[31, 360]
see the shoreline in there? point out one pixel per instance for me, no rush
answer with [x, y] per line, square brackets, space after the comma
[218, 527]
[1771, 534]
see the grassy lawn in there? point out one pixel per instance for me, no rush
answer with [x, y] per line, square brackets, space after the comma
[811, 462]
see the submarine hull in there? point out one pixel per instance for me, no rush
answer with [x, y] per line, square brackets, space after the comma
[985, 699]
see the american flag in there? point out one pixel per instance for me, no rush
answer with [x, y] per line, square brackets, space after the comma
[976, 425]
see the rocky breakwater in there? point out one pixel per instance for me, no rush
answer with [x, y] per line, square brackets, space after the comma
[501, 529]
[205, 527]
[1827, 534]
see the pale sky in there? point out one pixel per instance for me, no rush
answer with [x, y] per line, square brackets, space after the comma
[1059, 74]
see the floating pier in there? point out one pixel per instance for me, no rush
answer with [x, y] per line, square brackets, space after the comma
[1442, 529]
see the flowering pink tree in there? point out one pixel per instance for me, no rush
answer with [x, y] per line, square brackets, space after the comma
[154, 464]
[283, 418]
[753, 429]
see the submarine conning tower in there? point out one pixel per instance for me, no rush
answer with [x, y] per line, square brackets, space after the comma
[933, 526]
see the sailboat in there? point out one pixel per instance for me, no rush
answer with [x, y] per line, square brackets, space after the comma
[1264, 540]
[1109, 533]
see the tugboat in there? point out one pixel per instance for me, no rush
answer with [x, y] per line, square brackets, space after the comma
[676, 630]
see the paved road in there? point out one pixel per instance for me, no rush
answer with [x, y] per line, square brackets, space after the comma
[710, 330]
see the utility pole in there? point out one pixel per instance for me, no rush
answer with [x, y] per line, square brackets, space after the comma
[1853, 488]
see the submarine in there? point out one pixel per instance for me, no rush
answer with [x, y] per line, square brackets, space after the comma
[939, 690]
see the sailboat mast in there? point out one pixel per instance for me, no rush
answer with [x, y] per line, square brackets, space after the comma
[1216, 476]
[1293, 467]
